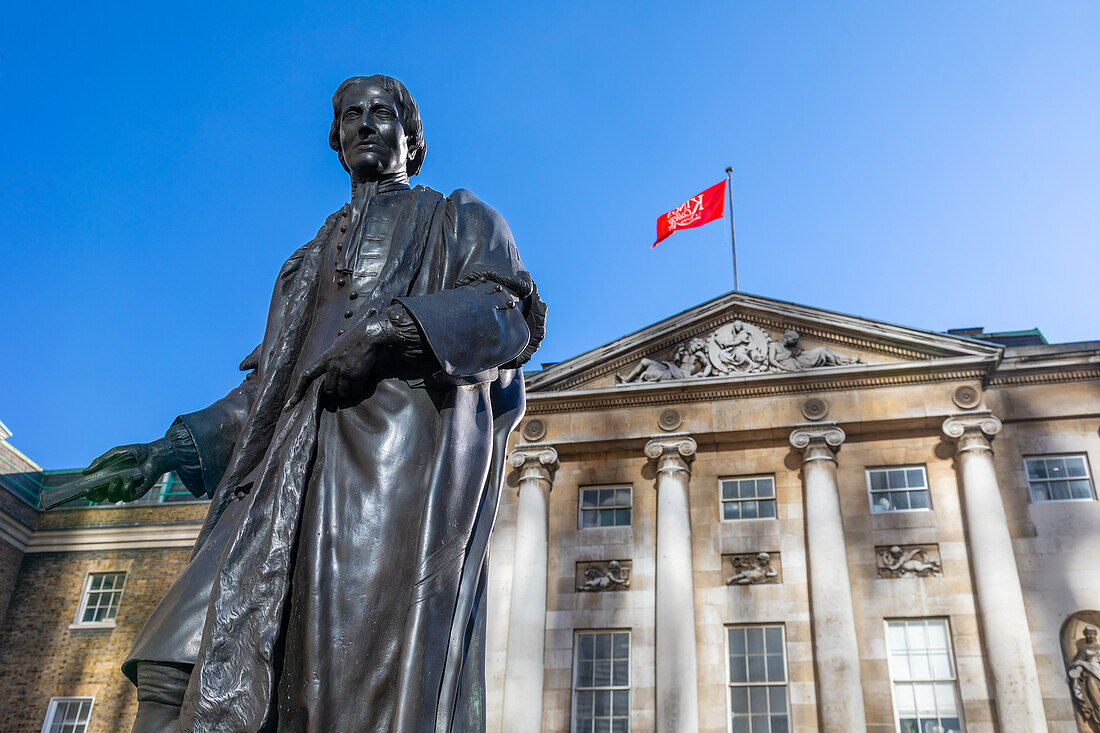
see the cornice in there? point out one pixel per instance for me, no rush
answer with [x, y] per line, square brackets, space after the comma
[861, 376]
[137, 537]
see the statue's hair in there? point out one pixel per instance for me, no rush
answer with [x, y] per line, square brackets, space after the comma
[410, 119]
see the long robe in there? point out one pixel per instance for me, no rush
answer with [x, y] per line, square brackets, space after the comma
[340, 576]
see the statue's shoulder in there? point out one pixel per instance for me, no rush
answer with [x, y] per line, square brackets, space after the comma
[471, 213]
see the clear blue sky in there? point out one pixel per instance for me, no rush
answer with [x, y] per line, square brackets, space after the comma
[935, 164]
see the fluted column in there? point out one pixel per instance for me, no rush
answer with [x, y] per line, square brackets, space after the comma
[676, 676]
[836, 651]
[1004, 626]
[524, 665]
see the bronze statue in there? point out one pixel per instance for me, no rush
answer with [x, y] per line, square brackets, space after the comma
[338, 583]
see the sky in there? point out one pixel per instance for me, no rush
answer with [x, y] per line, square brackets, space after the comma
[932, 164]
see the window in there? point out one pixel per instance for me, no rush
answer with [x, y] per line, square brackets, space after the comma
[748, 497]
[605, 506]
[100, 599]
[1058, 478]
[68, 715]
[898, 489]
[601, 682]
[923, 674]
[757, 679]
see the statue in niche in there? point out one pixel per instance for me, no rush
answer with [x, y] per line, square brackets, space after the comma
[912, 561]
[338, 583]
[788, 355]
[598, 579]
[753, 571]
[689, 360]
[1084, 676]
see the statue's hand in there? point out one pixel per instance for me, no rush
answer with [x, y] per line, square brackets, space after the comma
[348, 364]
[153, 460]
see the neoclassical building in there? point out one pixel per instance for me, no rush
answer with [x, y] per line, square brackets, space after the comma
[753, 516]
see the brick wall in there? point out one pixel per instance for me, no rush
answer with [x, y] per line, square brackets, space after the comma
[41, 657]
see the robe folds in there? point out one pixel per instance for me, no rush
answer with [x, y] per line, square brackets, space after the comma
[338, 583]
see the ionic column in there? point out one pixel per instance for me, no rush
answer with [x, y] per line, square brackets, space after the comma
[996, 579]
[836, 651]
[523, 669]
[677, 689]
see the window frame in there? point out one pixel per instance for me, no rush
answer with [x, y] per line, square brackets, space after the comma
[596, 487]
[577, 634]
[82, 606]
[730, 684]
[1040, 456]
[950, 656]
[51, 710]
[756, 477]
[902, 466]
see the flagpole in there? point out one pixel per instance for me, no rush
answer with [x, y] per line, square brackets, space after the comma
[733, 237]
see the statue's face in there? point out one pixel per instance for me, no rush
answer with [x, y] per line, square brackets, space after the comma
[372, 137]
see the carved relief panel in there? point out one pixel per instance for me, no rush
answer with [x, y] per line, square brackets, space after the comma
[752, 568]
[603, 575]
[904, 561]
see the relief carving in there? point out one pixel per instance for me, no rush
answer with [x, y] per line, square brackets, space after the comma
[902, 561]
[1081, 651]
[732, 349]
[754, 569]
[603, 576]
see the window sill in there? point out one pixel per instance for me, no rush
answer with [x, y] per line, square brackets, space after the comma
[92, 627]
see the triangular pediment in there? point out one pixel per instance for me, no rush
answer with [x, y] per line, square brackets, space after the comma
[739, 337]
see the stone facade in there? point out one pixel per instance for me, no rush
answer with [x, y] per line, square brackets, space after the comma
[720, 468]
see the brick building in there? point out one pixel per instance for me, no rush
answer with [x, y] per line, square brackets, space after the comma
[752, 516]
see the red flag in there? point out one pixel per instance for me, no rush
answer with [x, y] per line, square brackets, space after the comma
[695, 212]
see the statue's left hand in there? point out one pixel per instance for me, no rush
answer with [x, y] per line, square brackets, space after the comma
[348, 364]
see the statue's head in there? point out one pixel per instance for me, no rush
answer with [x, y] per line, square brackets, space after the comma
[763, 559]
[376, 128]
[790, 337]
[1090, 634]
[613, 566]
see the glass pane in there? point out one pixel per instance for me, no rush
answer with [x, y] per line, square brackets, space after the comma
[622, 517]
[584, 674]
[899, 667]
[777, 700]
[1075, 466]
[919, 667]
[758, 699]
[603, 703]
[767, 508]
[755, 638]
[1079, 489]
[620, 673]
[748, 509]
[765, 487]
[881, 503]
[1036, 468]
[588, 518]
[1056, 467]
[926, 701]
[759, 723]
[878, 480]
[1040, 492]
[620, 702]
[738, 669]
[904, 699]
[779, 724]
[773, 640]
[603, 646]
[1059, 490]
[730, 510]
[622, 646]
[737, 641]
[895, 479]
[739, 699]
[585, 702]
[918, 499]
[775, 668]
[589, 498]
[601, 725]
[607, 497]
[729, 490]
[941, 665]
[757, 670]
[914, 477]
[937, 634]
[620, 725]
[622, 497]
[740, 724]
[587, 646]
[899, 500]
[601, 673]
[945, 698]
[896, 635]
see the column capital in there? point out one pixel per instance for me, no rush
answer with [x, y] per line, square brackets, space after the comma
[972, 430]
[672, 452]
[817, 441]
[534, 461]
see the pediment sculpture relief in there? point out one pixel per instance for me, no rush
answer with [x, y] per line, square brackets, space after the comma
[735, 348]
